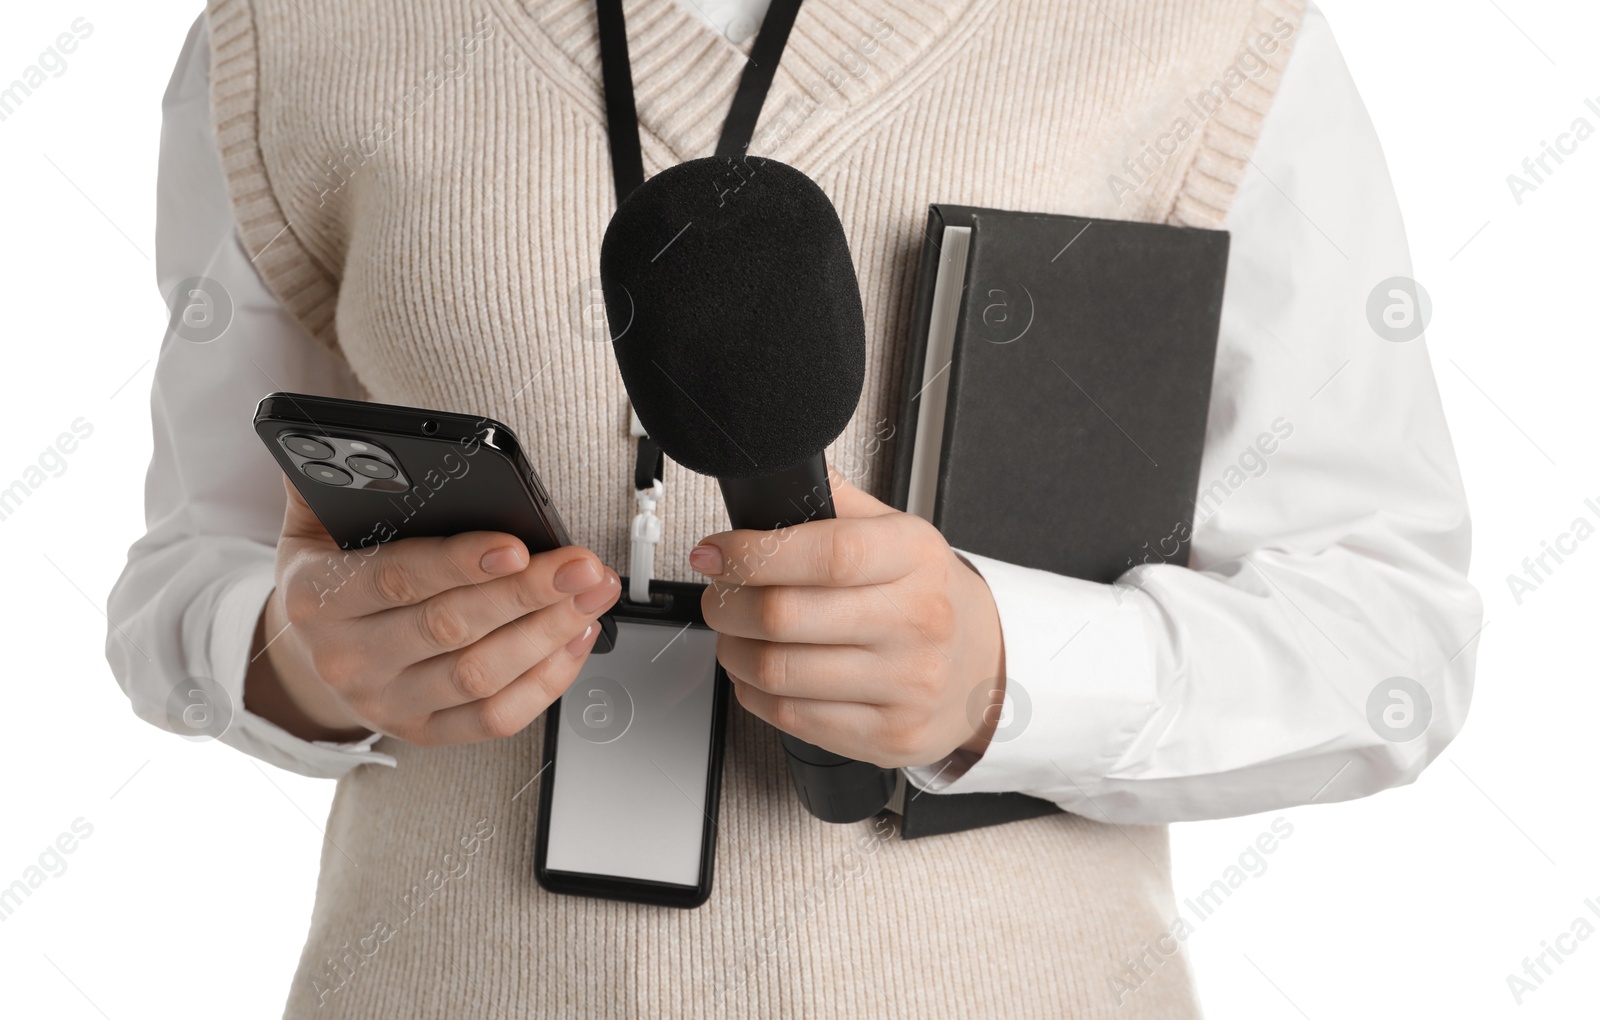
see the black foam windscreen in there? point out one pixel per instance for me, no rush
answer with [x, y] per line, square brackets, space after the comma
[735, 314]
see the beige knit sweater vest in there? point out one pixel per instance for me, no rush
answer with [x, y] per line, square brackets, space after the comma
[424, 184]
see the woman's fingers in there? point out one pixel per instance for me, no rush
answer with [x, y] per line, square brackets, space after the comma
[335, 583]
[839, 552]
[829, 672]
[831, 725]
[804, 615]
[509, 711]
[488, 665]
[458, 617]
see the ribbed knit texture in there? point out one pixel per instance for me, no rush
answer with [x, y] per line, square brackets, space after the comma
[452, 262]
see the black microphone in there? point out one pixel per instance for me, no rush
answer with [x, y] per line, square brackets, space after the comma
[737, 325]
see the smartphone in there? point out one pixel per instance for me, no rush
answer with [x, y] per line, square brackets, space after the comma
[374, 473]
[632, 774]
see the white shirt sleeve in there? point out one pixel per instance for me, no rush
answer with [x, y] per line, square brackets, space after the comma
[195, 583]
[1320, 648]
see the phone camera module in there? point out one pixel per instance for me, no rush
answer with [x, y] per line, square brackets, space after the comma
[372, 467]
[327, 474]
[305, 446]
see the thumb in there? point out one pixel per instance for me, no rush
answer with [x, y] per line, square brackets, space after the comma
[849, 501]
[299, 520]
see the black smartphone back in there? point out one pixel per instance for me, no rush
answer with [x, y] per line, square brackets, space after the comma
[377, 472]
[373, 473]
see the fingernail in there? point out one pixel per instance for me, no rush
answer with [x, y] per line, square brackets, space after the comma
[579, 575]
[575, 646]
[505, 560]
[597, 598]
[706, 558]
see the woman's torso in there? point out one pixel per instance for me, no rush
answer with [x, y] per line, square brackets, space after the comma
[444, 169]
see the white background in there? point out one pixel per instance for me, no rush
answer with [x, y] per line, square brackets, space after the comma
[191, 897]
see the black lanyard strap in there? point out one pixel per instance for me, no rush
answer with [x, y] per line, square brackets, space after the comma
[622, 116]
[759, 71]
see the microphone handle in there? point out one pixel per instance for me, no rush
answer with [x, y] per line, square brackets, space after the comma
[832, 787]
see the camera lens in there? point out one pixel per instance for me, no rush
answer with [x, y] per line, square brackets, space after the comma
[305, 446]
[327, 474]
[372, 467]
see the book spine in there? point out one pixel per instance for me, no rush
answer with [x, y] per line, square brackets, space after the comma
[916, 351]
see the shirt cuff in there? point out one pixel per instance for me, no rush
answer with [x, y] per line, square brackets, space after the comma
[232, 633]
[1080, 684]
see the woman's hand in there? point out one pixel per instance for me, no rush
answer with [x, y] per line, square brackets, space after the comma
[432, 640]
[865, 635]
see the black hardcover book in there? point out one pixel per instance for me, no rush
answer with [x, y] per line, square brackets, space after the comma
[1057, 386]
